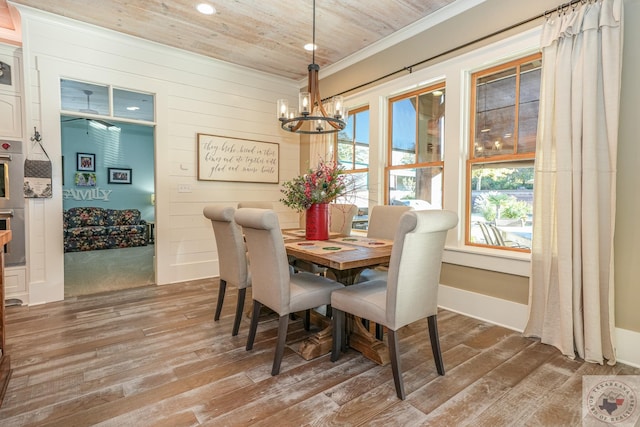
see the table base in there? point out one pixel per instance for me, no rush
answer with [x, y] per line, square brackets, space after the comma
[365, 342]
[359, 338]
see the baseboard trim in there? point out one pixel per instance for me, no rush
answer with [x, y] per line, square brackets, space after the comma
[497, 311]
[514, 316]
[628, 347]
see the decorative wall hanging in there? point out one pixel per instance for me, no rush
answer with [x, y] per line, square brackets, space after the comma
[86, 162]
[85, 179]
[223, 158]
[37, 173]
[119, 176]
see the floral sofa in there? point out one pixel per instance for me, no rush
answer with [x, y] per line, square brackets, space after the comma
[90, 228]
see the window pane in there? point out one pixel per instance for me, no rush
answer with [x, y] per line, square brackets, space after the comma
[84, 97]
[529, 104]
[420, 188]
[495, 114]
[502, 204]
[353, 142]
[430, 126]
[362, 156]
[345, 155]
[361, 139]
[403, 137]
[362, 127]
[133, 105]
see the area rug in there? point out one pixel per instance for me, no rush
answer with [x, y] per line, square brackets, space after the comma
[91, 272]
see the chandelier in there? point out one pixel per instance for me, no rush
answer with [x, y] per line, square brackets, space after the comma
[312, 116]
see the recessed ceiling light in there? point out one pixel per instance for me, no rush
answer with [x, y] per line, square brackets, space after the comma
[310, 47]
[206, 9]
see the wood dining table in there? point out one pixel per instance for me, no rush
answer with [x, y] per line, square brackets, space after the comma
[344, 257]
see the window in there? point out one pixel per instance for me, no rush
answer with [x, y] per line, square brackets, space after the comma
[352, 146]
[415, 162]
[504, 118]
[103, 100]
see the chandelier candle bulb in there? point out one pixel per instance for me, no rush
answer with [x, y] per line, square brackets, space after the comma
[328, 108]
[338, 105]
[283, 108]
[304, 102]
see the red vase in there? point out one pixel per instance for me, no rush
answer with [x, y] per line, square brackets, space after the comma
[317, 226]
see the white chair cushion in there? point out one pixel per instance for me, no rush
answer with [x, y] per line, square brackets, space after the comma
[310, 290]
[367, 300]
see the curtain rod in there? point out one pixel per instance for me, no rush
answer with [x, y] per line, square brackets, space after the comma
[409, 68]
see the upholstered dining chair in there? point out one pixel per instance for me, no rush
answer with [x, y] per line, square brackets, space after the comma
[255, 204]
[232, 258]
[341, 217]
[410, 292]
[273, 284]
[383, 223]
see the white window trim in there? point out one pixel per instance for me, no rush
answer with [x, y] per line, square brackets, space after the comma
[456, 73]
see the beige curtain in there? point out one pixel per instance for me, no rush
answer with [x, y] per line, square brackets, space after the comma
[571, 292]
[320, 148]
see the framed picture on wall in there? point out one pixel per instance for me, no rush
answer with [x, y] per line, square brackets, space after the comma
[86, 162]
[119, 176]
[85, 179]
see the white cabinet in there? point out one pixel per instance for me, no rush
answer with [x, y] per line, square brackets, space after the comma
[15, 285]
[10, 93]
[10, 116]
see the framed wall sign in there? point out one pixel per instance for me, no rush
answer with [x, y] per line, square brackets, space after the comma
[223, 158]
[86, 162]
[119, 176]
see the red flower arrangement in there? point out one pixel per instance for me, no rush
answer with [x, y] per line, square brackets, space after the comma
[321, 185]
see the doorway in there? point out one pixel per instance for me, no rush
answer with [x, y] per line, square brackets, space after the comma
[108, 203]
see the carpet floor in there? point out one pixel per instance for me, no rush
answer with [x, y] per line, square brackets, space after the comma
[92, 272]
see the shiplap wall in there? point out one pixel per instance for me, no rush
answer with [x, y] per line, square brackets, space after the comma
[193, 94]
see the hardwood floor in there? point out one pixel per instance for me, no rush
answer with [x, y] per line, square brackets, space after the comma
[153, 356]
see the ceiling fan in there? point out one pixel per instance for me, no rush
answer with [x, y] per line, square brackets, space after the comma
[90, 111]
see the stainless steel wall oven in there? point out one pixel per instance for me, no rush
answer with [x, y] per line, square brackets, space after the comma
[12, 200]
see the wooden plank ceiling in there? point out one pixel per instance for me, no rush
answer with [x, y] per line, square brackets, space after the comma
[265, 35]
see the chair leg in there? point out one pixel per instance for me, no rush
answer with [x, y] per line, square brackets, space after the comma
[254, 324]
[221, 291]
[239, 307]
[283, 324]
[307, 320]
[337, 322]
[435, 343]
[394, 355]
